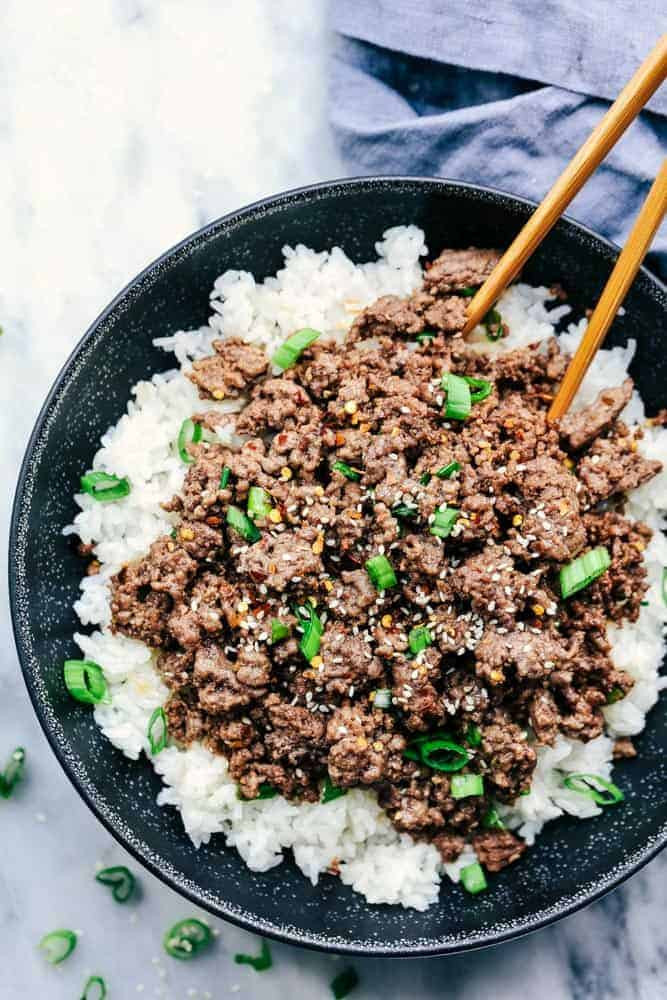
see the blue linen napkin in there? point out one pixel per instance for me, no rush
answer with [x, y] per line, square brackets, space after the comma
[499, 93]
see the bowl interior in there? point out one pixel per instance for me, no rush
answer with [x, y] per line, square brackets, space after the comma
[572, 861]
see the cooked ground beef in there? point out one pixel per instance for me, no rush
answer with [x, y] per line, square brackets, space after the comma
[358, 461]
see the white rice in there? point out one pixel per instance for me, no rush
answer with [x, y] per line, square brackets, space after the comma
[325, 290]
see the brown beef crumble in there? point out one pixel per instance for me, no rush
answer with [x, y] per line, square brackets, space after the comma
[509, 661]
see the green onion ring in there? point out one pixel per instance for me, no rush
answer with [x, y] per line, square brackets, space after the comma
[57, 945]
[13, 772]
[447, 471]
[243, 525]
[381, 572]
[85, 681]
[610, 794]
[120, 880]
[190, 433]
[290, 351]
[482, 386]
[103, 487]
[459, 402]
[260, 962]
[583, 570]
[157, 731]
[419, 638]
[465, 785]
[346, 470]
[458, 756]
[331, 791]
[491, 820]
[473, 879]
[443, 522]
[313, 629]
[95, 989]
[187, 938]
[259, 502]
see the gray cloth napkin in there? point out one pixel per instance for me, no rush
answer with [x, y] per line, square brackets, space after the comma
[499, 93]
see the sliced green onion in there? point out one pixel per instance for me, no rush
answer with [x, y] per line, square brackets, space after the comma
[344, 983]
[312, 634]
[468, 291]
[482, 386]
[279, 630]
[260, 963]
[243, 526]
[57, 945]
[447, 471]
[425, 478]
[444, 755]
[225, 476]
[443, 522]
[615, 695]
[331, 791]
[120, 879]
[347, 471]
[473, 879]
[404, 510]
[459, 403]
[103, 487]
[465, 785]
[425, 336]
[85, 681]
[382, 698]
[187, 938]
[413, 752]
[190, 433]
[492, 821]
[607, 794]
[157, 731]
[266, 791]
[473, 736]
[419, 638]
[493, 318]
[95, 989]
[259, 502]
[381, 572]
[290, 352]
[13, 773]
[584, 570]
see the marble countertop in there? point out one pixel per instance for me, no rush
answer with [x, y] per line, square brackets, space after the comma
[126, 125]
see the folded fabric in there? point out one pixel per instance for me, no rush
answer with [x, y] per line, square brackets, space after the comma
[499, 94]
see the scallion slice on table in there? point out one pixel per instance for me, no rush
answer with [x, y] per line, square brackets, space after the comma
[260, 963]
[187, 938]
[482, 387]
[443, 522]
[344, 983]
[279, 630]
[419, 638]
[225, 476]
[425, 336]
[56, 946]
[458, 403]
[584, 570]
[493, 324]
[463, 786]
[595, 787]
[381, 572]
[444, 755]
[346, 470]
[312, 632]
[382, 698]
[85, 681]
[447, 471]
[157, 731]
[120, 880]
[104, 487]
[331, 791]
[190, 433]
[243, 525]
[95, 989]
[491, 820]
[259, 502]
[473, 879]
[290, 352]
[13, 773]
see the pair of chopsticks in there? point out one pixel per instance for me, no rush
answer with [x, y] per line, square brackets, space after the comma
[623, 111]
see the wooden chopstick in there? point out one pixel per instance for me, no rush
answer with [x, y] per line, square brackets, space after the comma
[626, 267]
[623, 111]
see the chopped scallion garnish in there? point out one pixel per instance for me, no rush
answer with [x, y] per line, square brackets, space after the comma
[482, 387]
[444, 755]
[103, 487]
[404, 510]
[312, 632]
[468, 291]
[474, 736]
[595, 787]
[187, 938]
[95, 989]
[57, 945]
[347, 471]
[279, 630]
[260, 962]
[344, 983]
[243, 526]
[157, 731]
[382, 698]
[331, 791]
[419, 638]
[381, 572]
[492, 821]
[290, 352]
[465, 785]
[85, 681]
[447, 471]
[225, 476]
[425, 478]
[120, 879]
[473, 879]
[425, 336]
[264, 791]
[190, 433]
[493, 323]
[259, 502]
[615, 695]
[458, 403]
[584, 570]
[443, 522]
[13, 773]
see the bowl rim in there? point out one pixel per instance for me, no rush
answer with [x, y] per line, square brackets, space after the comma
[139, 849]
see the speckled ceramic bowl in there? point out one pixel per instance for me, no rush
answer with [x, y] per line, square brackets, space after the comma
[573, 862]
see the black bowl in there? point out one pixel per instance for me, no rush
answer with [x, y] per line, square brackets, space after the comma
[573, 862]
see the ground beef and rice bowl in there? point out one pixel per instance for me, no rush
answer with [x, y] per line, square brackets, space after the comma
[378, 610]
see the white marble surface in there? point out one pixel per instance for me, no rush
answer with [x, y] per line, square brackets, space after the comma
[126, 124]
